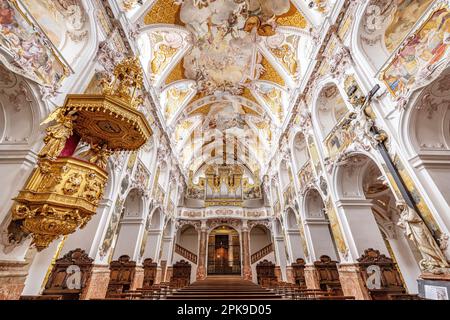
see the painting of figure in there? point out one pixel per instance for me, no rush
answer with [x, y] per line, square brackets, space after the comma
[404, 16]
[28, 46]
[424, 52]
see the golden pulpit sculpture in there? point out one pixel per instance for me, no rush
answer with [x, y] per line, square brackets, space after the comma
[63, 192]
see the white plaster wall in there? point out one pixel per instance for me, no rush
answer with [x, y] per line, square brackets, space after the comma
[322, 241]
[38, 268]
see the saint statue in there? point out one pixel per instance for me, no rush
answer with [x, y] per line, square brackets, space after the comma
[58, 134]
[98, 155]
[416, 230]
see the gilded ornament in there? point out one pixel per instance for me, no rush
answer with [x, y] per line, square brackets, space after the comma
[48, 210]
[57, 134]
[63, 193]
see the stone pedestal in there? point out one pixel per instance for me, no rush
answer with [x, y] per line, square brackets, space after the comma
[97, 285]
[12, 279]
[169, 274]
[290, 274]
[434, 286]
[158, 275]
[352, 282]
[311, 277]
[138, 280]
[278, 274]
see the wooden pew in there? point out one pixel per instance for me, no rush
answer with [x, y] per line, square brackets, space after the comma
[328, 275]
[122, 275]
[390, 279]
[46, 297]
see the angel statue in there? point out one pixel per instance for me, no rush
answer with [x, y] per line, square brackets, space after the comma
[98, 155]
[57, 135]
[415, 229]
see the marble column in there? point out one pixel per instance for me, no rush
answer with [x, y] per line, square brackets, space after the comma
[352, 282]
[138, 280]
[246, 263]
[201, 268]
[97, 284]
[312, 277]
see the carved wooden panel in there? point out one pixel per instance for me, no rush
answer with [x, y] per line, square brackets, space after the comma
[381, 275]
[265, 271]
[328, 275]
[182, 273]
[122, 275]
[150, 269]
[69, 275]
[298, 272]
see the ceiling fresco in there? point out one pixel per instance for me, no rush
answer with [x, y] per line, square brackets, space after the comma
[224, 74]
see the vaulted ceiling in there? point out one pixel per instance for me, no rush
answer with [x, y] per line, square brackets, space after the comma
[224, 72]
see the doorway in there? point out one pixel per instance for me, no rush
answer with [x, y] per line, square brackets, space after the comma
[224, 252]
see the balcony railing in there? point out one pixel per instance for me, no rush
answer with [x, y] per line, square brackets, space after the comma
[262, 253]
[185, 253]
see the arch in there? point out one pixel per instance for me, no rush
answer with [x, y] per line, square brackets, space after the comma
[224, 254]
[131, 225]
[330, 108]
[382, 27]
[425, 134]
[294, 236]
[300, 151]
[317, 226]
[260, 237]
[368, 208]
[167, 238]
